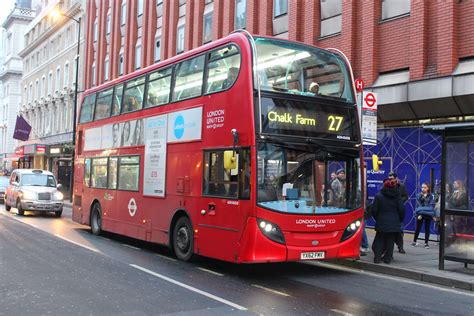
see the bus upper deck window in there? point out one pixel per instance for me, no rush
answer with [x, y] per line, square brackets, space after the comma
[223, 69]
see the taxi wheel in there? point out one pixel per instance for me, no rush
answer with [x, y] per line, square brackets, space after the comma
[96, 219]
[21, 212]
[7, 207]
[58, 213]
[183, 239]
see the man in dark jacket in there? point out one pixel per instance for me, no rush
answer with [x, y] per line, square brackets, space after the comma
[404, 196]
[388, 212]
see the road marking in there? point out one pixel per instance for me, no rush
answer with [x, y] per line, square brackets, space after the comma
[136, 248]
[393, 278]
[191, 288]
[77, 244]
[210, 271]
[165, 257]
[104, 238]
[341, 312]
[271, 290]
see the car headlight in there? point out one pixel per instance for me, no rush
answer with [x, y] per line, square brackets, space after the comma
[58, 196]
[28, 195]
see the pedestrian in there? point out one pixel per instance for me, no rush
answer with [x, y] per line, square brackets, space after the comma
[388, 212]
[404, 196]
[338, 186]
[458, 198]
[424, 213]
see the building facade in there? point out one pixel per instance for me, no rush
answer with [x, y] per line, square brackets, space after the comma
[11, 67]
[48, 85]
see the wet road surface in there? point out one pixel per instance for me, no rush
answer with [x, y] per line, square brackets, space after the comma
[54, 266]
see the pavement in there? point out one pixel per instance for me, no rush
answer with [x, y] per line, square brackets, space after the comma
[418, 264]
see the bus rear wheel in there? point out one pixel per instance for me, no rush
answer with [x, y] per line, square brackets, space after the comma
[96, 219]
[183, 239]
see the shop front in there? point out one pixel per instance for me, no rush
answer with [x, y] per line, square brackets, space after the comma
[60, 164]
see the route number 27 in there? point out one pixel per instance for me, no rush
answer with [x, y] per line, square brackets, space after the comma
[335, 122]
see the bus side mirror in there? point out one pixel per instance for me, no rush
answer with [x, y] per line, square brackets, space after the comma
[376, 162]
[230, 159]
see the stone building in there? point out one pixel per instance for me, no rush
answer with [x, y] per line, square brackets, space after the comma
[48, 82]
[11, 67]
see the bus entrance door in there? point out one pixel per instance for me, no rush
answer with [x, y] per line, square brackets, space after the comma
[218, 228]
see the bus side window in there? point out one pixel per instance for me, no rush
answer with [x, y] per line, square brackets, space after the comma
[87, 109]
[223, 69]
[189, 78]
[87, 172]
[117, 103]
[133, 96]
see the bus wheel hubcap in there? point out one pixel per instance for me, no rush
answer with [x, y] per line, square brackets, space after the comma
[182, 239]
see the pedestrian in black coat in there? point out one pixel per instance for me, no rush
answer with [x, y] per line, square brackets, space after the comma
[388, 212]
[404, 195]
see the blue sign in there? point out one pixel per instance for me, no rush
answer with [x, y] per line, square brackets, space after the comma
[179, 127]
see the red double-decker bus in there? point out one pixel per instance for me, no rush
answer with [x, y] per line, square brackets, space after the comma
[247, 149]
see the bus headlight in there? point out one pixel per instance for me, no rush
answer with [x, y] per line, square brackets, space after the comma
[351, 229]
[272, 231]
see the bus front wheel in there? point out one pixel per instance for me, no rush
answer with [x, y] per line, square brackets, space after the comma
[183, 239]
[96, 219]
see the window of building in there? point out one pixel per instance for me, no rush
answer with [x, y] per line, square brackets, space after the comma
[394, 8]
[240, 14]
[58, 79]
[159, 85]
[50, 82]
[94, 75]
[140, 8]
[207, 27]
[123, 13]
[189, 78]
[66, 74]
[30, 92]
[96, 30]
[106, 69]
[223, 69]
[109, 23]
[138, 55]
[180, 39]
[113, 168]
[103, 104]
[128, 173]
[120, 64]
[75, 70]
[157, 49]
[331, 17]
[87, 109]
[280, 7]
[227, 183]
[133, 95]
[99, 173]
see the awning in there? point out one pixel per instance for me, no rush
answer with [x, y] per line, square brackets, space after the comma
[442, 127]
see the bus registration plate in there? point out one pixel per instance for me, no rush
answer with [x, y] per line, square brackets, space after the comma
[312, 255]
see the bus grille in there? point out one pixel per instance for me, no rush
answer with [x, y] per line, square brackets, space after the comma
[44, 196]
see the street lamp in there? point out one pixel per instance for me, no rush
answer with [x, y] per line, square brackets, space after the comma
[56, 14]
